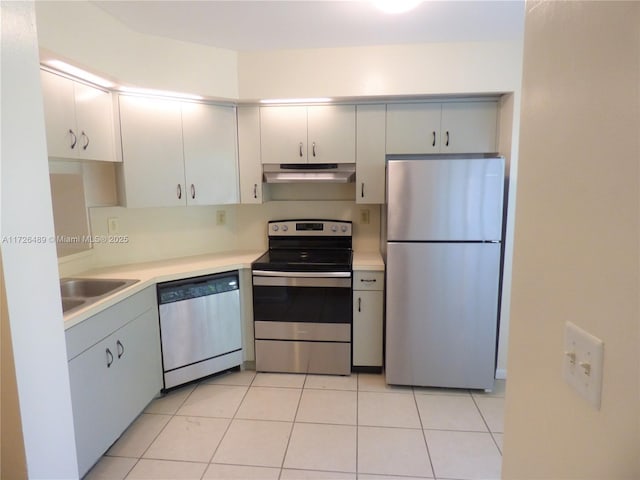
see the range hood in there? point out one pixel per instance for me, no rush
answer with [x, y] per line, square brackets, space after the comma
[309, 173]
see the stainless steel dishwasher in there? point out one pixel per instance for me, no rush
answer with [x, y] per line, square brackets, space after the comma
[200, 327]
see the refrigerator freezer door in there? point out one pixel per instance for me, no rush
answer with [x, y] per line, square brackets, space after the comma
[445, 199]
[442, 301]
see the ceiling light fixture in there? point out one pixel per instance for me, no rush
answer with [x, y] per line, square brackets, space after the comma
[79, 73]
[159, 93]
[297, 100]
[396, 6]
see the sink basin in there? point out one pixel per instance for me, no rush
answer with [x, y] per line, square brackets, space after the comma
[70, 304]
[91, 287]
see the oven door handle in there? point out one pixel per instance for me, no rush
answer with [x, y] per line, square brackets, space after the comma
[267, 273]
[259, 281]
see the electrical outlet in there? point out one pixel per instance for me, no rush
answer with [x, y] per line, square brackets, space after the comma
[582, 364]
[364, 216]
[113, 226]
[221, 217]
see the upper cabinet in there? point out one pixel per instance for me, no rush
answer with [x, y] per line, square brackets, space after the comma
[210, 154]
[177, 153]
[308, 134]
[455, 127]
[370, 154]
[251, 186]
[78, 119]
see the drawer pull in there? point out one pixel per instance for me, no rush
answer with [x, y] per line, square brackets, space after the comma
[368, 280]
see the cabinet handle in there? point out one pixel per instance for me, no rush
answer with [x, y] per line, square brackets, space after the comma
[109, 358]
[82, 134]
[255, 190]
[120, 348]
[362, 190]
[313, 148]
[75, 139]
[359, 304]
[368, 280]
[433, 144]
[179, 191]
[193, 191]
[300, 149]
[447, 142]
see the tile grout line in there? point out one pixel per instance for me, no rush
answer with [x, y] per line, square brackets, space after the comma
[215, 450]
[487, 425]
[158, 434]
[424, 435]
[293, 423]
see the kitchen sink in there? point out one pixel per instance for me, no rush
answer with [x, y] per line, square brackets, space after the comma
[71, 303]
[91, 287]
[80, 292]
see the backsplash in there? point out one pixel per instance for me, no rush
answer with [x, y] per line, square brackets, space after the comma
[158, 233]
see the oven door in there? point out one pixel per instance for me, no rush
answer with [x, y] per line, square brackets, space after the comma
[303, 321]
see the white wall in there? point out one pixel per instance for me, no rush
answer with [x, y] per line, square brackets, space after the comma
[30, 269]
[85, 35]
[577, 242]
[439, 68]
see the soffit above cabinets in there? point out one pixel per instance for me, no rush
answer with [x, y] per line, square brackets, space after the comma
[273, 25]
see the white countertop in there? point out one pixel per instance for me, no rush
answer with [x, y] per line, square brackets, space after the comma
[150, 273]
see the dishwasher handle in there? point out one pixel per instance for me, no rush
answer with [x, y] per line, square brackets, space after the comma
[189, 288]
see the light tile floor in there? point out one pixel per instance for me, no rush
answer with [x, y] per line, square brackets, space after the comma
[243, 425]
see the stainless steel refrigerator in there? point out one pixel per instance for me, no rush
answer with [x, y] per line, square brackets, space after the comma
[443, 248]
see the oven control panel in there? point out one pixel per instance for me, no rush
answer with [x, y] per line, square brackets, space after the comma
[315, 228]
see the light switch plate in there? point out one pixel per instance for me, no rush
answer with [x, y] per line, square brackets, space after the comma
[113, 226]
[221, 217]
[583, 362]
[364, 216]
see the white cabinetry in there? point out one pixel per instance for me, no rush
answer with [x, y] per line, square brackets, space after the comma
[368, 295]
[452, 127]
[251, 186]
[370, 153]
[114, 371]
[177, 153]
[78, 119]
[308, 134]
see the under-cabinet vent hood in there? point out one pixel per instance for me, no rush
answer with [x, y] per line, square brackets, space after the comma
[309, 173]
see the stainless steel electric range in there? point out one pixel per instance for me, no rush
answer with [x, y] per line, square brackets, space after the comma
[302, 298]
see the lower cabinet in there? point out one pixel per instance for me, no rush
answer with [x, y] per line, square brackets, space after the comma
[114, 379]
[368, 298]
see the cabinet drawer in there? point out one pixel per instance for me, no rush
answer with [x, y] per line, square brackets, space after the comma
[89, 332]
[368, 280]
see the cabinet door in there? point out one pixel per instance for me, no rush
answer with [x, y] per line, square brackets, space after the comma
[210, 154]
[59, 115]
[413, 128]
[331, 134]
[153, 166]
[370, 153]
[249, 154]
[138, 367]
[94, 115]
[367, 328]
[94, 383]
[283, 134]
[469, 127]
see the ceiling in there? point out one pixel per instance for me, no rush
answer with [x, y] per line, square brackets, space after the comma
[268, 25]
